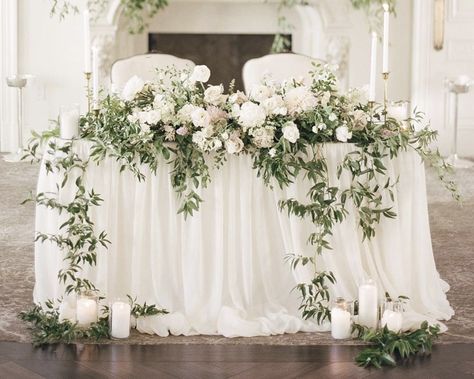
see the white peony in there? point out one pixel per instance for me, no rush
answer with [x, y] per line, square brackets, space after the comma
[274, 106]
[201, 74]
[260, 92]
[184, 114]
[300, 99]
[251, 115]
[234, 145]
[200, 117]
[238, 98]
[290, 131]
[343, 134]
[133, 86]
[214, 95]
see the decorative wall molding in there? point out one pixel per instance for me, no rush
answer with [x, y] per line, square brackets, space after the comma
[460, 10]
[315, 24]
[8, 66]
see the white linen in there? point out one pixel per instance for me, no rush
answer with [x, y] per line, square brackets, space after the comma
[222, 271]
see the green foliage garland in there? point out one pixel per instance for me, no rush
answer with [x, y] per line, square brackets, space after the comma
[388, 347]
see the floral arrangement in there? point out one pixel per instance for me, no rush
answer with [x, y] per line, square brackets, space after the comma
[181, 121]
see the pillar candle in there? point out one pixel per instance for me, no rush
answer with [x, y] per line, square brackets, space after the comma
[120, 320]
[393, 320]
[373, 67]
[86, 311]
[87, 41]
[69, 123]
[95, 77]
[368, 306]
[386, 29]
[340, 323]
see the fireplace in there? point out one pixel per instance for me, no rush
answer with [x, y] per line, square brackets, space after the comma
[224, 54]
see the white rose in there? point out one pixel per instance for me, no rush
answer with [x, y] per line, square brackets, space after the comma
[153, 117]
[332, 117]
[133, 118]
[133, 86]
[182, 131]
[200, 74]
[215, 144]
[200, 117]
[272, 152]
[318, 127]
[343, 134]
[290, 131]
[275, 106]
[235, 111]
[300, 99]
[238, 98]
[234, 145]
[260, 93]
[251, 115]
[184, 114]
[214, 95]
[360, 119]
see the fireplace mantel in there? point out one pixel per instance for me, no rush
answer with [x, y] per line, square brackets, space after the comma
[321, 30]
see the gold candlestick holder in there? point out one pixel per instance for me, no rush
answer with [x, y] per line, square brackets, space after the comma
[371, 104]
[88, 76]
[385, 76]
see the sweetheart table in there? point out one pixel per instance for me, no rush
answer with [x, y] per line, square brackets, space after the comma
[222, 271]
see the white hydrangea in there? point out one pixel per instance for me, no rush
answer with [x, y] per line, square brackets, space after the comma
[184, 114]
[290, 131]
[251, 115]
[300, 99]
[343, 134]
[263, 137]
[134, 85]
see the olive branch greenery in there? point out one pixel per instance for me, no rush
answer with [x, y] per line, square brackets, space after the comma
[47, 328]
[388, 347]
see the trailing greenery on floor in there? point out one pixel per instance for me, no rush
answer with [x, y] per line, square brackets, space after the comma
[47, 327]
[388, 348]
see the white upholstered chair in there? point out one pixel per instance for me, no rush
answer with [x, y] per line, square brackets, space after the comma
[279, 67]
[144, 66]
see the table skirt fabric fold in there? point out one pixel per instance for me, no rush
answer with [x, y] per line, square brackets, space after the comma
[222, 271]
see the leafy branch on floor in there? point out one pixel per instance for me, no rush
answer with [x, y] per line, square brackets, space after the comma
[47, 328]
[389, 347]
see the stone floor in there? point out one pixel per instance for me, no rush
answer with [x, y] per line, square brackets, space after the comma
[452, 228]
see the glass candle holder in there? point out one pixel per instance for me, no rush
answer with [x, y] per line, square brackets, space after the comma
[341, 322]
[87, 309]
[69, 121]
[120, 318]
[399, 110]
[392, 315]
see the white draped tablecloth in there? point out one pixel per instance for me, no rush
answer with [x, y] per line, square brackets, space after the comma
[222, 271]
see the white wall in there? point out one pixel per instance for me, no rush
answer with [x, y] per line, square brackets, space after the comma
[51, 50]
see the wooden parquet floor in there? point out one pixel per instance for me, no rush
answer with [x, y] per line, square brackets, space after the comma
[18, 361]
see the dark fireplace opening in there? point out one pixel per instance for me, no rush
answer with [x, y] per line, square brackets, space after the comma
[224, 54]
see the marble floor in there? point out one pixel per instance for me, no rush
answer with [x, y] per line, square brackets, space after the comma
[452, 228]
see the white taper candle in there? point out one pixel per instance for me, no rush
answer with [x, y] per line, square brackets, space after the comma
[87, 41]
[386, 29]
[373, 67]
[95, 77]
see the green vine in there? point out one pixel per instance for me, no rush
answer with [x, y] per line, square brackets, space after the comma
[389, 347]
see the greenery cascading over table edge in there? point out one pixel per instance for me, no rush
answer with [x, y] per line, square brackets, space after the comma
[122, 129]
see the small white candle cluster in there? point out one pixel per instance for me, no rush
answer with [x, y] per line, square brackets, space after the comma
[120, 323]
[341, 323]
[392, 320]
